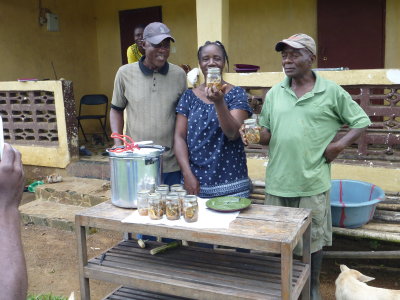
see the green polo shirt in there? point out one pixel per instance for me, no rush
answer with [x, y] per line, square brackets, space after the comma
[301, 129]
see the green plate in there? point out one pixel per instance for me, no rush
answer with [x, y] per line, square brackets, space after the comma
[228, 203]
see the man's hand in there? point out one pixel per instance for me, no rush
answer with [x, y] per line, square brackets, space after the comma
[11, 178]
[332, 151]
[334, 148]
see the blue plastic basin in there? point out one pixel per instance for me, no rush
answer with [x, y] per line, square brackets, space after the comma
[353, 202]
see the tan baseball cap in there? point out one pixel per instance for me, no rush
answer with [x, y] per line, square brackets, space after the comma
[298, 41]
[156, 32]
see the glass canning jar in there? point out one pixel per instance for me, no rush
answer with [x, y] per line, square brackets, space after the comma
[155, 208]
[251, 131]
[143, 202]
[214, 78]
[163, 194]
[190, 208]
[181, 194]
[172, 207]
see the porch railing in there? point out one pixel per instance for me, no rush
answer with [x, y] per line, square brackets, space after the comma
[381, 141]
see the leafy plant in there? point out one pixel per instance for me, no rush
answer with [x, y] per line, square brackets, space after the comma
[45, 297]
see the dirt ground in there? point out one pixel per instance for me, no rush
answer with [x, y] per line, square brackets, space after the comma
[51, 257]
[52, 263]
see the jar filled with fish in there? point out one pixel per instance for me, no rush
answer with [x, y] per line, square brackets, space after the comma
[181, 194]
[190, 208]
[252, 131]
[143, 202]
[214, 78]
[155, 207]
[172, 207]
[163, 191]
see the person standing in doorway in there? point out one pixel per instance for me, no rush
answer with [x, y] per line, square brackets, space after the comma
[299, 120]
[149, 90]
[136, 51]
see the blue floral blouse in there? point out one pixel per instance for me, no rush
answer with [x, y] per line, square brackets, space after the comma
[218, 163]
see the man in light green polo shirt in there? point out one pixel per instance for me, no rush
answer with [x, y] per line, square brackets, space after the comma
[300, 117]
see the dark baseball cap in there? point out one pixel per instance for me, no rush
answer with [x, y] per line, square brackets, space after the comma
[298, 41]
[156, 32]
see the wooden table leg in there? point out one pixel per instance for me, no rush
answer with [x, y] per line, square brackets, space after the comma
[305, 294]
[286, 271]
[80, 232]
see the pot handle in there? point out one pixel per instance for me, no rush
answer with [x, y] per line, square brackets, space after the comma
[162, 148]
[150, 161]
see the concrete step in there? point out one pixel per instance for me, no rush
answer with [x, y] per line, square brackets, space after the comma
[83, 192]
[47, 213]
[87, 168]
[56, 204]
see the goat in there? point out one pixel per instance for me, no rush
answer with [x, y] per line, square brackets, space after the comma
[350, 286]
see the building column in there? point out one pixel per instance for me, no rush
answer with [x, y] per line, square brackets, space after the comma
[212, 21]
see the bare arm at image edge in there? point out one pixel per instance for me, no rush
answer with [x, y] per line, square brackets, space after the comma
[13, 278]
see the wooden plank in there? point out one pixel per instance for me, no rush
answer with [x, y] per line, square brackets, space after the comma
[257, 199]
[286, 272]
[210, 267]
[258, 183]
[363, 254]
[275, 213]
[305, 292]
[129, 293]
[82, 259]
[384, 227]
[389, 206]
[260, 191]
[169, 285]
[369, 234]
[195, 271]
[386, 215]
[303, 281]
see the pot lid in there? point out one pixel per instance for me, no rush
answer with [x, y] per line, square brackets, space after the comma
[143, 151]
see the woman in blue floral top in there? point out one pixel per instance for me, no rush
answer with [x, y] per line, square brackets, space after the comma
[207, 142]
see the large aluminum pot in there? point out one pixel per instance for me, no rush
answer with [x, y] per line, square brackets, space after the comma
[133, 171]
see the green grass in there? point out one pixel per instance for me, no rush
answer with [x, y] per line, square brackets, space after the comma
[45, 297]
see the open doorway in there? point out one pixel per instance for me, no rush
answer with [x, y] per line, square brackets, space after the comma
[128, 19]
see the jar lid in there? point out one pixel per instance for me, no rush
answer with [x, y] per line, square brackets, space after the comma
[182, 192]
[250, 121]
[162, 191]
[172, 197]
[190, 198]
[144, 192]
[154, 196]
[214, 70]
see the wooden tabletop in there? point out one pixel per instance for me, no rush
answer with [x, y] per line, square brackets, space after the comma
[259, 227]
